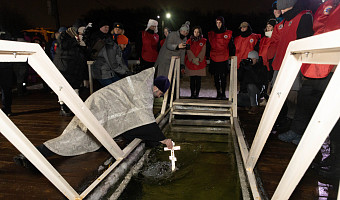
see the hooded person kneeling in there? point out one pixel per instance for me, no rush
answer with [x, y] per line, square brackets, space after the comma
[124, 109]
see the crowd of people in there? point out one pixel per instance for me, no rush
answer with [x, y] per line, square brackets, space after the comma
[259, 59]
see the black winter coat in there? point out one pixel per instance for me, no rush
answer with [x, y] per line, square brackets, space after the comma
[70, 60]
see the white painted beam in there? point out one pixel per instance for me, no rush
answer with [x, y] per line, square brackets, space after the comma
[18, 139]
[324, 118]
[283, 83]
[51, 75]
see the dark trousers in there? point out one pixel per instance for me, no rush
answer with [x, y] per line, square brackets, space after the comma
[220, 71]
[145, 65]
[195, 85]
[6, 78]
[250, 98]
[307, 100]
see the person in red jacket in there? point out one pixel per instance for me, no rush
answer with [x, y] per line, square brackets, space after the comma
[195, 61]
[263, 49]
[166, 32]
[297, 24]
[221, 43]
[149, 45]
[246, 42]
[265, 42]
[275, 38]
[317, 76]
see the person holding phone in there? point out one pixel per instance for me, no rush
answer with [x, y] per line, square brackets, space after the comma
[174, 45]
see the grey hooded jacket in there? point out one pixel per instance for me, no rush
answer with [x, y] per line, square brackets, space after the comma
[168, 50]
[109, 62]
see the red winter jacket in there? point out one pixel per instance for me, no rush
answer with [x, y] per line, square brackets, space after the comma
[326, 18]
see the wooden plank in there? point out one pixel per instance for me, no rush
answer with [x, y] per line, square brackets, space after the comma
[203, 102]
[202, 113]
[234, 86]
[199, 137]
[191, 129]
[218, 123]
[170, 74]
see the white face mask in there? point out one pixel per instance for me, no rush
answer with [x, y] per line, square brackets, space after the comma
[268, 34]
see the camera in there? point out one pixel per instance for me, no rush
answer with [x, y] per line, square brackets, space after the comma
[187, 46]
[246, 62]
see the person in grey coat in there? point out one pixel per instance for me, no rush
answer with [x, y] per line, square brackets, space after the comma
[109, 65]
[174, 45]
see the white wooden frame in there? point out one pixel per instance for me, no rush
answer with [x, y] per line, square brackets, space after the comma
[233, 88]
[21, 52]
[320, 49]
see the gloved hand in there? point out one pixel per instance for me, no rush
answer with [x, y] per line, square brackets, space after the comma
[196, 61]
[182, 69]
[72, 32]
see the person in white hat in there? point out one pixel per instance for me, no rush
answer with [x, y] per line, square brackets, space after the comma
[148, 45]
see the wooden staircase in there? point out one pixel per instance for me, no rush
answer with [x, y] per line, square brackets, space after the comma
[201, 107]
[206, 108]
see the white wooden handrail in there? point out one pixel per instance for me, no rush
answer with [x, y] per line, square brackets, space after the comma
[319, 49]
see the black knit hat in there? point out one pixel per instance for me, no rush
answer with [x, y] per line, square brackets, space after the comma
[103, 22]
[118, 25]
[272, 22]
[162, 83]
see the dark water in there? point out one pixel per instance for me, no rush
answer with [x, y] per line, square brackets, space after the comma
[206, 169]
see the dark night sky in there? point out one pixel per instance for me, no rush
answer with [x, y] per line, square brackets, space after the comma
[36, 11]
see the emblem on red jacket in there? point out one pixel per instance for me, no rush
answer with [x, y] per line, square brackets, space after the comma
[281, 26]
[225, 36]
[327, 10]
[290, 23]
[201, 44]
[251, 40]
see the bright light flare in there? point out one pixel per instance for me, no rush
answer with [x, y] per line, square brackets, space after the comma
[168, 15]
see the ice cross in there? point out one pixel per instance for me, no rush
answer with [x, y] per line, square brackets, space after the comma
[172, 157]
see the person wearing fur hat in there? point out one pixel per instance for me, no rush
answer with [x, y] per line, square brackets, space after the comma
[174, 45]
[221, 48]
[246, 42]
[148, 45]
[195, 61]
